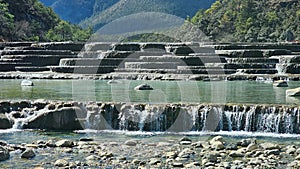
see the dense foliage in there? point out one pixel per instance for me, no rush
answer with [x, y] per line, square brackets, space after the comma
[250, 20]
[30, 20]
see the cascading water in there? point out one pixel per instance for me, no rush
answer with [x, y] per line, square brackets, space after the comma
[208, 118]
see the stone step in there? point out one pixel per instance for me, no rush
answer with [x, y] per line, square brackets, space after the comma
[242, 66]
[258, 71]
[39, 60]
[153, 47]
[130, 54]
[95, 61]
[176, 71]
[98, 46]
[294, 47]
[37, 52]
[252, 60]
[126, 47]
[253, 53]
[152, 65]
[32, 69]
[15, 44]
[73, 46]
[187, 59]
[10, 66]
[83, 69]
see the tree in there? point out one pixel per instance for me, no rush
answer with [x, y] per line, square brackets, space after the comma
[6, 21]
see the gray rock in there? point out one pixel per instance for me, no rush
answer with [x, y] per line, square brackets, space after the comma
[27, 83]
[185, 142]
[231, 146]
[252, 147]
[61, 163]
[131, 143]
[64, 118]
[185, 139]
[4, 154]
[177, 164]
[92, 158]
[64, 143]
[29, 153]
[154, 161]
[280, 83]
[246, 142]
[270, 146]
[143, 87]
[293, 92]
[212, 157]
[4, 122]
[236, 154]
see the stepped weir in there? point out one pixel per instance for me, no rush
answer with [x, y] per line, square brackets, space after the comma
[128, 60]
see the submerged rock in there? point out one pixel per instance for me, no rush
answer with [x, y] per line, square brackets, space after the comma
[143, 87]
[293, 92]
[280, 83]
[27, 83]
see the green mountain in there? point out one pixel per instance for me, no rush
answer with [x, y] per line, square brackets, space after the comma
[97, 13]
[250, 20]
[30, 20]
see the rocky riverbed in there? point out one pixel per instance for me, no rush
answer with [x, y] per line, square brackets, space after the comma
[215, 152]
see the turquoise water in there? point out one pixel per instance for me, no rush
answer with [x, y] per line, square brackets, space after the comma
[165, 91]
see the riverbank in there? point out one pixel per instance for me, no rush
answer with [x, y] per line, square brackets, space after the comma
[168, 151]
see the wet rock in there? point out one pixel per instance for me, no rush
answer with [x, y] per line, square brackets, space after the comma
[92, 158]
[61, 163]
[28, 153]
[131, 142]
[291, 150]
[231, 146]
[272, 152]
[4, 122]
[50, 143]
[177, 164]
[185, 142]
[66, 118]
[185, 139]
[270, 146]
[212, 157]
[236, 154]
[4, 154]
[280, 83]
[86, 139]
[217, 139]
[171, 154]
[27, 83]
[143, 87]
[246, 142]
[252, 147]
[154, 161]
[64, 143]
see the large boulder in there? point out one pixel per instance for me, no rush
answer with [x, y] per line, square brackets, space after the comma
[65, 118]
[293, 92]
[4, 154]
[5, 123]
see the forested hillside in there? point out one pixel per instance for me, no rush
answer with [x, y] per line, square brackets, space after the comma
[251, 20]
[97, 13]
[30, 20]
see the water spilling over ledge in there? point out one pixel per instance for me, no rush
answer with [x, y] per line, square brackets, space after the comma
[65, 116]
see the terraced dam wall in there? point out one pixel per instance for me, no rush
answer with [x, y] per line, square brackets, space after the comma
[63, 116]
[134, 59]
